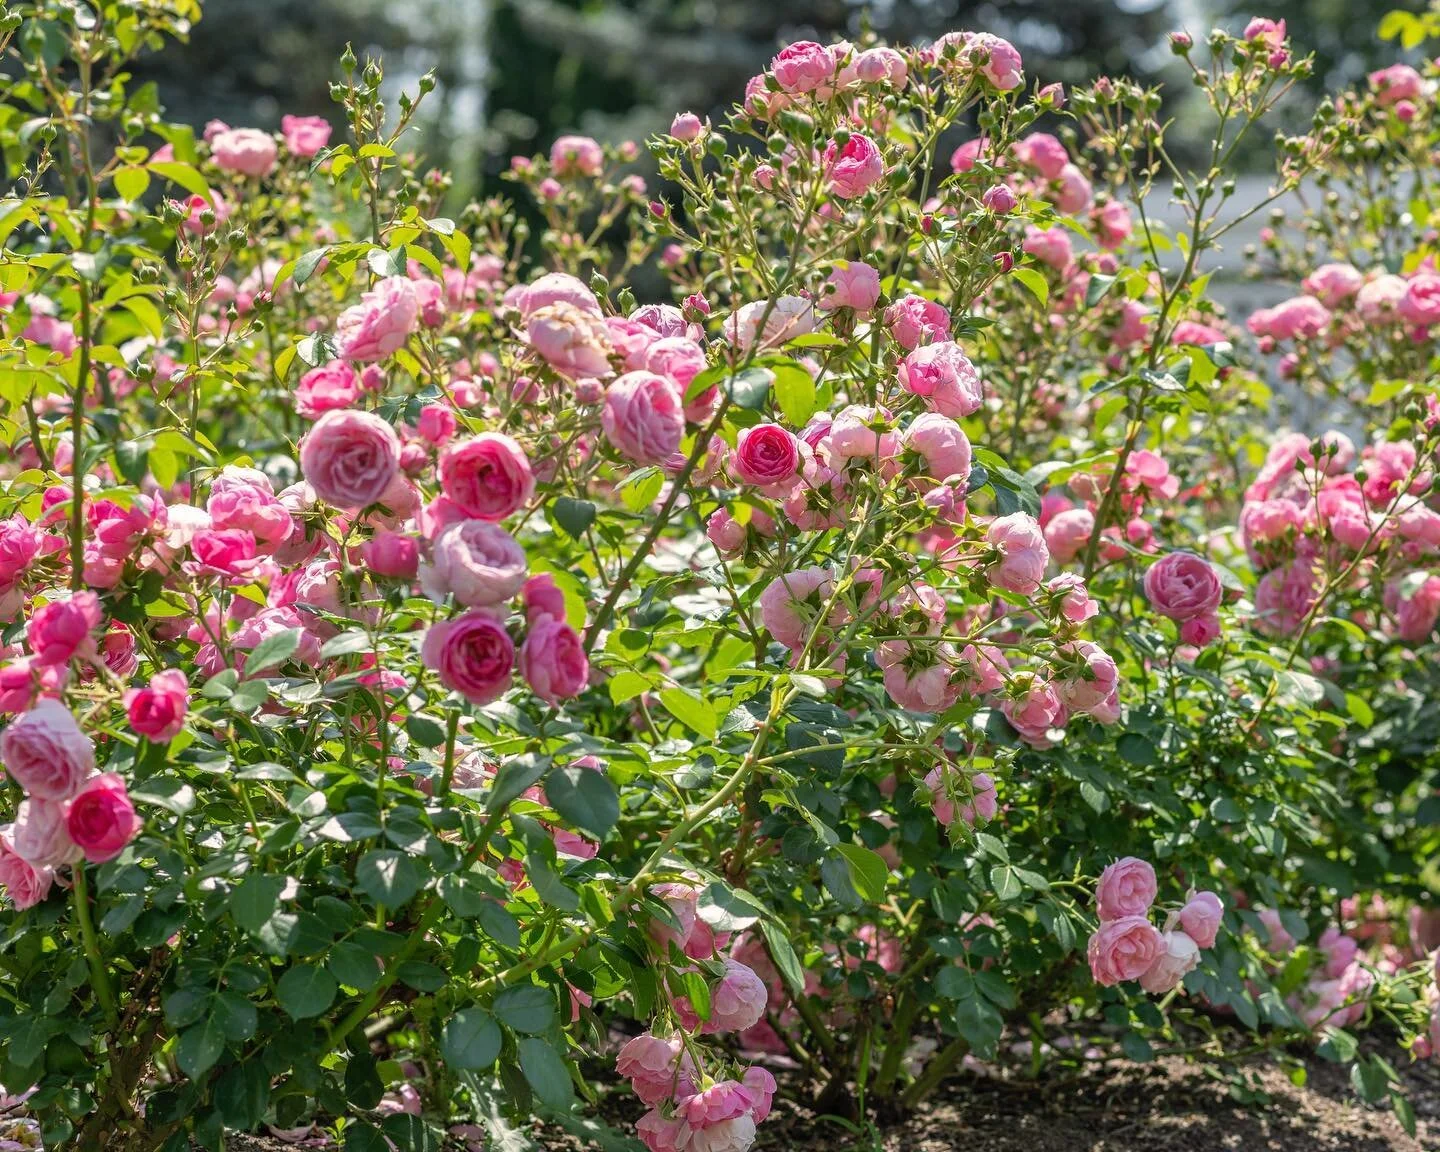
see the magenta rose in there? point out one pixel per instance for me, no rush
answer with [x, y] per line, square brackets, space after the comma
[381, 323]
[1183, 586]
[157, 711]
[487, 477]
[350, 458]
[1201, 918]
[1021, 553]
[304, 136]
[101, 819]
[46, 753]
[63, 629]
[552, 659]
[854, 169]
[472, 654]
[644, 417]
[1123, 950]
[767, 456]
[477, 562]
[1126, 888]
[247, 151]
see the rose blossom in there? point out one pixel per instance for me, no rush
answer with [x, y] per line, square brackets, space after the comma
[780, 603]
[40, 836]
[157, 711]
[945, 377]
[1094, 683]
[332, 385]
[767, 456]
[1201, 918]
[63, 629]
[852, 284]
[914, 320]
[1421, 303]
[657, 1067]
[576, 156]
[553, 660]
[1183, 586]
[942, 445]
[644, 417]
[573, 342]
[477, 562]
[1126, 888]
[101, 819]
[381, 323]
[852, 170]
[245, 150]
[1123, 949]
[803, 66]
[784, 319]
[472, 654]
[1178, 956]
[243, 498]
[46, 753]
[350, 458]
[305, 136]
[738, 1000]
[981, 806]
[1022, 554]
[24, 883]
[487, 476]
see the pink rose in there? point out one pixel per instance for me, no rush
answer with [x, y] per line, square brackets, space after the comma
[1421, 303]
[100, 818]
[1200, 631]
[1395, 83]
[46, 753]
[472, 654]
[941, 445]
[24, 883]
[784, 319]
[1177, 957]
[542, 597]
[677, 358]
[1285, 596]
[1087, 675]
[350, 458]
[996, 59]
[737, 1001]
[644, 417]
[392, 555]
[945, 377]
[571, 341]
[1070, 595]
[914, 320]
[157, 711]
[1042, 152]
[852, 284]
[1048, 245]
[305, 136]
[964, 157]
[1125, 889]
[953, 797]
[1068, 532]
[245, 150]
[917, 677]
[803, 66]
[1182, 586]
[1123, 950]
[1201, 918]
[477, 562]
[381, 323]
[1333, 284]
[229, 552]
[725, 532]
[243, 498]
[657, 1132]
[853, 170]
[1112, 224]
[40, 835]
[1034, 710]
[576, 156]
[330, 386]
[1021, 554]
[487, 476]
[767, 456]
[784, 603]
[657, 1068]
[62, 629]
[553, 660]
[24, 679]
[557, 288]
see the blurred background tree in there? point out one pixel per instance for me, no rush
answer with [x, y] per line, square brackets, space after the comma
[513, 74]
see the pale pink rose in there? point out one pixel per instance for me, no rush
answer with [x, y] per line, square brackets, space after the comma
[1035, 710]
[572, 342]
[1072, 599]
[1300, 317]
[305, 136]
[245, 150]
[472, 654]
[761, 1086]
[1068, 533]
[657, 1067]
[1075, 193]
[914, 320]
[243, 498]
[45, 752]
[792, 601]
[350, 458]
[1021, 553]
[852, 284]
[943, 375]
[1123, 950]
[1048, 245]
[677, 358]
[1378, 300]
[918, 678]
[576, 156]
[1087, 675]
[1333, 284]
[1284, 598]
[40, 835]
[557, 288]
[487, 476]
[803, 66]
[686, 127]
[25, 679]
[952, 797]
[1395, 83]
[63, 630]
[24, 883]
[725, 532]
[157, 711]
[1201, 918]
[736, 1134]
[1178, 956]
[644, 417]
[381, 323]
[1339, 949]
[657, 1132]
[964, 157]
[1126, 888]
[721, 1101]
[737, 1001]
[100, 818]
[942, 445]
[767, 456]
[1182, 586]
[1042, 152]
[784, 319]
[475, 561]
[854, 169]
[1000, 199]
[1195, 333]
[553, 660]
[1132, 326]
[330, 386]
[995, 58]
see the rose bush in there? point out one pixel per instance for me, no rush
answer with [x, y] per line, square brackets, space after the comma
[437, 683]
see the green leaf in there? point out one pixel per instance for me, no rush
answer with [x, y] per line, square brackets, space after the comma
[363, 1137]
[750, 388]
[639, 489]
[254, 900]
[470, 1040]
[388, 877]
[1005, 882]
[200, 1047]
[273, 650]
[687, 707]
[354, 965]
[795, 393]
[305, 991]
[586, 799]
[1137, 1048]
[574, 516]
[546, 1073]
[783, 954]
[1035, 282]
[1137, 749]
[185, 175]
[131, 182]
[306, 264]
[868, 872]
[526, 1007]
[514, 776]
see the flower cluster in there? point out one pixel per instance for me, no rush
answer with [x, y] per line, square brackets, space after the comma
[1128, 946]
